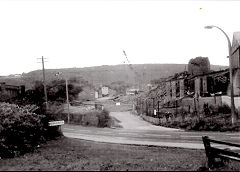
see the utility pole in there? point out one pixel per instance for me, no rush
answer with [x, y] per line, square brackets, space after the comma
[230, 73]
[66, 81]
[67, 100]
[44, 83]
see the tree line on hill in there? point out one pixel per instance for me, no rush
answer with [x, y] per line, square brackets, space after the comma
[106, 74]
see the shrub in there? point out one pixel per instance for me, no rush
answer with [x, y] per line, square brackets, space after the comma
[215, 122]
[95, 118]
[224, 109]
[4, 97]
[104, 119]
[21, 129]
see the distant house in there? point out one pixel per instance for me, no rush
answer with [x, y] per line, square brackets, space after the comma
[104, 91]
[96, 95]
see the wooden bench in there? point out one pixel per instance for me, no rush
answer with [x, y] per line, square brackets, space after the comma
[224, 154]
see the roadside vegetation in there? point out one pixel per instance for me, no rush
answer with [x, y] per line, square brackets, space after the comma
[24, 120]
[212, 118]
[22, 129]
[96, 118]
[218, 119]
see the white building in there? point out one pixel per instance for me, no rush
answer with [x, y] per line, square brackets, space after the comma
[105, 91]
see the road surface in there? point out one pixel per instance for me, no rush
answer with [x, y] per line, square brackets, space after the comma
[139, 132]
[133, 122]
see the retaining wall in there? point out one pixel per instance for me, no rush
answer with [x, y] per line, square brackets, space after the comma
[189, 104]
[152, 120]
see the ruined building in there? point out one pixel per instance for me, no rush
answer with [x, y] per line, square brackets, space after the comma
[192, 90]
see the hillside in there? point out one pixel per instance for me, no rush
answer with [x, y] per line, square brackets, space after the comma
[97, 75]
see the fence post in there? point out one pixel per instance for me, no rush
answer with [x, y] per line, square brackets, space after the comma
[146, 107]
[176, 107]
[153, 107]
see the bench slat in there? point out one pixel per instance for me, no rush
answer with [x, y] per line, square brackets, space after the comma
[229, 157]
[213, 152]
[222, 142]
[225, 152]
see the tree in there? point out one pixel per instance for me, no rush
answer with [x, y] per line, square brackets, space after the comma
[56, 91]
[199, 65]
[119, 86]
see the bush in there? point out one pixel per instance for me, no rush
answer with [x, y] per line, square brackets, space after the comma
[4, 97]
[224, 109]
[215, 122]
[104, 119]
[21, 129]
[95, 118]
[56, 91]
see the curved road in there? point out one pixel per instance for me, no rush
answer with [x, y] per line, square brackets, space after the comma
[136, 131]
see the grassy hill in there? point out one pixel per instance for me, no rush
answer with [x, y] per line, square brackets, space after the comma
[137, 74]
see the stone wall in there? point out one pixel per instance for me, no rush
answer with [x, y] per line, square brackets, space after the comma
[197, 87]
[191, 104]
[204, 84]
[150, 119]
[173, 85]
[236, 82]
[157, 121]
[181, 85]
[168, 91]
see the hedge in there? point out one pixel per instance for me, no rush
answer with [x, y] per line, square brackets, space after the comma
[21, 130]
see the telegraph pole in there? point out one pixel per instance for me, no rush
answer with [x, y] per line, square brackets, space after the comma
[67, 96]
[44, 83]
[67, 100]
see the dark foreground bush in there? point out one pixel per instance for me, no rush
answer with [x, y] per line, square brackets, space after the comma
[21, 130]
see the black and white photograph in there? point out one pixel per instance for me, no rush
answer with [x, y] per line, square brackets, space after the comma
[119, 85]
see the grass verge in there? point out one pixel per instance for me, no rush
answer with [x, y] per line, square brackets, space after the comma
[74, 154]
[67, 154]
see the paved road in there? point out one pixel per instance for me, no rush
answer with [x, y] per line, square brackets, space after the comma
[134, 122]
[137, 131]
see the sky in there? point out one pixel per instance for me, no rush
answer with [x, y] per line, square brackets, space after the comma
[93, 33]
